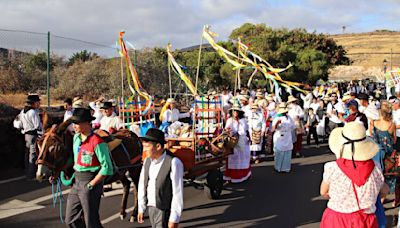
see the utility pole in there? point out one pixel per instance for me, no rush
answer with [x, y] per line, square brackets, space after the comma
[48, 69]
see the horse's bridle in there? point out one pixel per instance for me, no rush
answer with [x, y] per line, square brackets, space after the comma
[47, 135]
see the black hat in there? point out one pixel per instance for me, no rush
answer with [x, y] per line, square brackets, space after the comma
[154, 135]
[81, 115]
[106, 105]
[32, 98]
[363, 96]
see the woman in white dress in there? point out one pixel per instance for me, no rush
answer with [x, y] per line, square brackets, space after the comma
[238, 164]
[283, 126]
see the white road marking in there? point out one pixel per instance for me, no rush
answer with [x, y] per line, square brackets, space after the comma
[116, 216]
[12, 179]
[15, 207]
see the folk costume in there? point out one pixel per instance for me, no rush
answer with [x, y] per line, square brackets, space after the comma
[91, 157]
[354, 179]
[238, 164]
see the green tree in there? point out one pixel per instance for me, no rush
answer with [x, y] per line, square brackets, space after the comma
[82, 56]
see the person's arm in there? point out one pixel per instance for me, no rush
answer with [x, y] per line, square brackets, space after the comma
[371, 127]
[324, 190]
[176, 176]
[141, 197]
[393, 128]
[103, 155]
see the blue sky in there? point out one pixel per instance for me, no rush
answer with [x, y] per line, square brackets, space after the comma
[151, 23]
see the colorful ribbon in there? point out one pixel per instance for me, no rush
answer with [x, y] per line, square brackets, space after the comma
[132, 75]
[178, 70]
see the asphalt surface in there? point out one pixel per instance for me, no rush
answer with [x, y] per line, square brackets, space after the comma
[268, 199]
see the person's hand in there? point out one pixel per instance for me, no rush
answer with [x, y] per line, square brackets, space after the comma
[172, 225]
[140, 217]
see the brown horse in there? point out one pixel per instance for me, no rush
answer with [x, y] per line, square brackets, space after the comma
[55, 152]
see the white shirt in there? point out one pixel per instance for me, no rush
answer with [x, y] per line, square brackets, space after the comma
[315, 107]
[225, 99]
[112, 121]
[283, 133]
[295, 111]
[30, 121]
[176, 176]
[67, 115]
[247, 111]
[334, 111]
[97, 112]
[396, 120]
[307, 100]
[173, 115]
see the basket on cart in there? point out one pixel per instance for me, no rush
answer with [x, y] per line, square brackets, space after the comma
[204, 153]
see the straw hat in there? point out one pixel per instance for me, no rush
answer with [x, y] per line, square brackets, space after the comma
[292, 99]
[270, 98]
[282, 108]
[352, 135]
[171, 100]
[254, 106]
[244, 97]
[346, 97]
[236, 106]
[77, 102]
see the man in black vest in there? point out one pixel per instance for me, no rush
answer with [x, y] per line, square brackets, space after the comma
[160, 183]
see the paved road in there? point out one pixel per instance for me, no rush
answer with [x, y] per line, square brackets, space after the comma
[266, 200]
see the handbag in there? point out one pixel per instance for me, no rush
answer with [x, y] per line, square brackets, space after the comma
[391, 163]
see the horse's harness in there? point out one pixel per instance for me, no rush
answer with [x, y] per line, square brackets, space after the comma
[51, 133]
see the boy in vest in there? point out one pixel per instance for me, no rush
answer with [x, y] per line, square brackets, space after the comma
[92, 163]
[160, 183]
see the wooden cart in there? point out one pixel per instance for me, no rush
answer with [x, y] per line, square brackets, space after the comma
[196, 168]
[199, 163]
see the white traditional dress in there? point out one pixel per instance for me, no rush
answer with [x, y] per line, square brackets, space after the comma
[238, 165]
[257, 126]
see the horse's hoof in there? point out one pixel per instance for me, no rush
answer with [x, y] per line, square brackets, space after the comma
[122, 217]
[132, 219]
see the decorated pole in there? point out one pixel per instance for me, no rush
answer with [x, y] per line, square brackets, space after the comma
[199, 58]
[169, 76]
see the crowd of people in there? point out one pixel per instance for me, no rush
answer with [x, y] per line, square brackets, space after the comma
[361, 119]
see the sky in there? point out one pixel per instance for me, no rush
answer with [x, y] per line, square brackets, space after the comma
[150, 23]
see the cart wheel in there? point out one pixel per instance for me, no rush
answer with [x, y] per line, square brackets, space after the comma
[213, 186]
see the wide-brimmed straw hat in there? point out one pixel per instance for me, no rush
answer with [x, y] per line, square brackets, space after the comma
[292, 99]
[244, 97]
[171, 100]
[269, 98]
[236, 106]
[282, 108]
[350, 142]
[254, 106]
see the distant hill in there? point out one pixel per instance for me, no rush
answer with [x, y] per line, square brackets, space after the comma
[366, 49]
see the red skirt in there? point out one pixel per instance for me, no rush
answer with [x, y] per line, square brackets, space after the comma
[359, 219]
[236, 175]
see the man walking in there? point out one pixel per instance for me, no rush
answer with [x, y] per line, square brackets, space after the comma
[160, 183]
[92, 163]
[31, 128]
